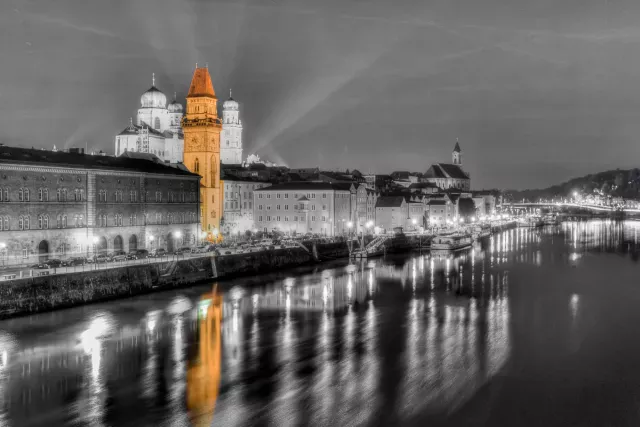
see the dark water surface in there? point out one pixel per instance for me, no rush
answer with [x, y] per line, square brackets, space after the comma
[530, 328]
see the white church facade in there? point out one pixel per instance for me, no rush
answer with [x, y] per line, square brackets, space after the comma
[156, 129]
[231, 136]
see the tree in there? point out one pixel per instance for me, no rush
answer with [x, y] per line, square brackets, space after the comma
[466, 208]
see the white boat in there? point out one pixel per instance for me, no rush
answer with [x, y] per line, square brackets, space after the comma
[451, 242]
[551, 220]
[532, 221]
[480, 231]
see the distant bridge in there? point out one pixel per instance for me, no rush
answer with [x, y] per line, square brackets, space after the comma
[564, 206]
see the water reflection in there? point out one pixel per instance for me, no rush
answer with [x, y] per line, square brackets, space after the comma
[376, 342]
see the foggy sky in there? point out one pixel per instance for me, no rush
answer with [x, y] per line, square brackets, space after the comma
[536, 91]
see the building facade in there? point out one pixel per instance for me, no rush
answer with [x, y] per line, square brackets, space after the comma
[391, 212]
[57, 204]
[303, 207]
[202, 127]
[449, 175]
[231, 138]
[238, 204]
[156, 129]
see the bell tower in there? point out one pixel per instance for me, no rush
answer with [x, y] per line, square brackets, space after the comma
[456, 156]
[201, 127]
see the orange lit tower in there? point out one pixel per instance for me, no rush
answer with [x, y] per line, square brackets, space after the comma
[201, 127]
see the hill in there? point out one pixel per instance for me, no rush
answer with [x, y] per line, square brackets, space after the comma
[616, 183]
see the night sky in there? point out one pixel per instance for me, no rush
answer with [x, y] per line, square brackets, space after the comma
[536, 91]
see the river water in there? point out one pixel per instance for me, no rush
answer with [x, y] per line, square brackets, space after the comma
[529, 328]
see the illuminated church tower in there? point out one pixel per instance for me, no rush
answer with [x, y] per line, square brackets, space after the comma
[456, 155]
[201, 127]
[231, 141]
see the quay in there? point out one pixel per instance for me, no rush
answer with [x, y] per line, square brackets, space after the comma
[29, 295]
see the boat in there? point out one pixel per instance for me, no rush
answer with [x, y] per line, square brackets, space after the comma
[532, 221]
[551, 219]
[480, 231]
[451, 242]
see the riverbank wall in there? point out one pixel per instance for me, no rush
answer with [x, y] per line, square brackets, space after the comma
[44, 293]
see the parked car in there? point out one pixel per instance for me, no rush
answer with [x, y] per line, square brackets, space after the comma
[119, 256]
[182, 251]
[101, 258]
[142, 253]
[41, 266]
[132, 256]
[74, 261]
[54, 263]
[159, 253]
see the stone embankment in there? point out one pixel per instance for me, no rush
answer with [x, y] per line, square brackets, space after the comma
[44, 293]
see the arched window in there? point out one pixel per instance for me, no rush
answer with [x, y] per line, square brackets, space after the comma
[64, 221]
[214, 171]
[46, 222]
[46, 194]
[20, 223]
[196, 166]
[40, 224]
[4, 223]
[157, 123]
[40, 194]
[27, 221]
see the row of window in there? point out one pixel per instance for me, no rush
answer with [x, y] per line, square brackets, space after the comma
[236, 205]
[286, 207]
[173, 197]
[296, 195]
[62, 195]
[295, 218]
[44, 222]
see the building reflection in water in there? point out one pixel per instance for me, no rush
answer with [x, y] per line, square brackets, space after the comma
[203, 371]
[407, 334]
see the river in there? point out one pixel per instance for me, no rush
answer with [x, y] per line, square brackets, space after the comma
[529, 328]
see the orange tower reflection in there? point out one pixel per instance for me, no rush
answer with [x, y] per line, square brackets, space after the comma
[203, 373]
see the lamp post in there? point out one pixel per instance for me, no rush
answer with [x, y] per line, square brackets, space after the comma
[414, 222]
[349, 225]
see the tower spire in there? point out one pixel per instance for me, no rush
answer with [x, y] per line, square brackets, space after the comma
[230, 97]
[153, 79]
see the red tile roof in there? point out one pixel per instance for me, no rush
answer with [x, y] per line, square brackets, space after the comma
[201, 84]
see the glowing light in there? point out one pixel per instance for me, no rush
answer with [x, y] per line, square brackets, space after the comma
[96, 240]
[349, 224]
[3, 245]
[178, 234]
[151, 238]
[369, 224]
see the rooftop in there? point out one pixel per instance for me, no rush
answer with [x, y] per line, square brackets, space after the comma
[36, 157]
[304, 186]
[201, 84]
[390, 202]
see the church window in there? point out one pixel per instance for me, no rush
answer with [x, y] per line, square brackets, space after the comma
[214, 171]
[157, 123]
[196, 166]
[4, 223]
[40, 194]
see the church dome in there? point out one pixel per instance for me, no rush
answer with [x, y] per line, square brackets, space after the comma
[153, 98]
[175, 107]
[230, 104]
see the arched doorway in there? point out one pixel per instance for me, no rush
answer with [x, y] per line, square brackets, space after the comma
[117, 244]
[43, 251]
[133, 243]
[170, 243]
[102, 246]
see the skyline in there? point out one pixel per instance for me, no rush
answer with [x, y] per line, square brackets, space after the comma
[536, 94]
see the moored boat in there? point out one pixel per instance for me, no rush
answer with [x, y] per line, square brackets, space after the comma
[480, 231]
[551, 220]
[451, 242]
[532, 221]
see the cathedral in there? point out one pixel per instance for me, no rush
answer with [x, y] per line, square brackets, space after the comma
[231, 138]
[156, 130]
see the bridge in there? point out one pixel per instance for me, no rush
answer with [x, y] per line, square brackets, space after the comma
[564, 206]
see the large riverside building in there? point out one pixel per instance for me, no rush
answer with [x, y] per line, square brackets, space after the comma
[202, 127]
[303, 207]
[449, 175]
[58, 204]
[231, 139]
[238, 204]
[156, 129]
